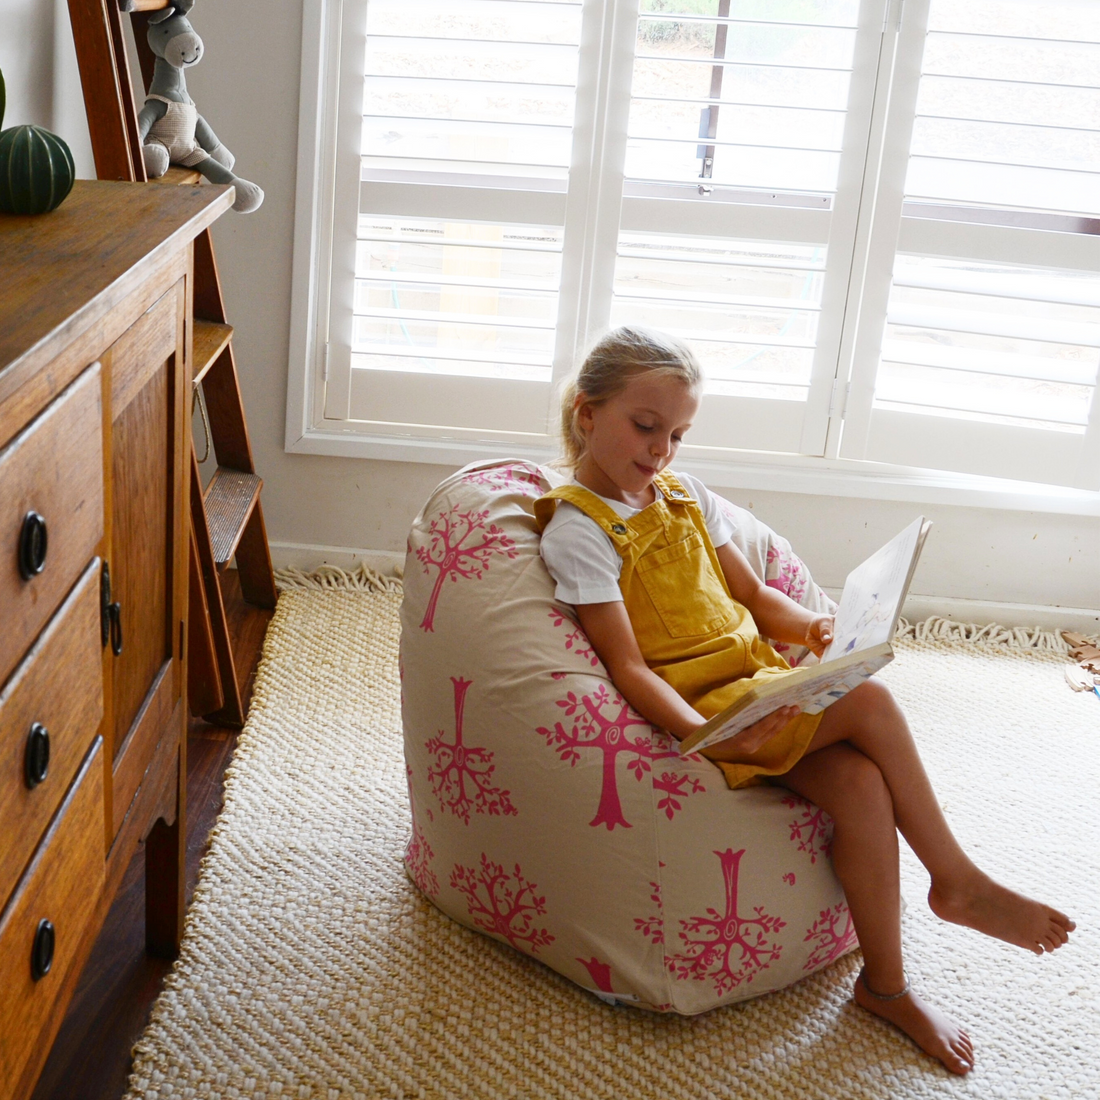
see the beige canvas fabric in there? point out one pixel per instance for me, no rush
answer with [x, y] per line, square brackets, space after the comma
[548, 815]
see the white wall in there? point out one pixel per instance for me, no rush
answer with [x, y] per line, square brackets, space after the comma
[247, 87]
[39, 65]
[26, 57]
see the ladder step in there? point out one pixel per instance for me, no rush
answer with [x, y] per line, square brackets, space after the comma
[229, 500]
[209, 342]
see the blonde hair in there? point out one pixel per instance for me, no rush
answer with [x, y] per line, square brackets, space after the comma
[607, 370]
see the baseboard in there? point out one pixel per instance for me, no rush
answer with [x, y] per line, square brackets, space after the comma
[1085, 620]
[306, 557]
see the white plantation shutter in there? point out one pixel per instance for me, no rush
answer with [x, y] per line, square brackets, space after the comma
[986, 358]
[877, 222]
[455, 178]
[747, 135]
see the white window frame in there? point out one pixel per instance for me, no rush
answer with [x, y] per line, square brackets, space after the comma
[839, 405]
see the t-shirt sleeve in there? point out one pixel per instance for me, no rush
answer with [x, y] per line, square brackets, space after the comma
[580, 557]
[719, 526]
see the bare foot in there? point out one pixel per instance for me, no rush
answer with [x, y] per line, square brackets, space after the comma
[985, 905]
[930, 1029]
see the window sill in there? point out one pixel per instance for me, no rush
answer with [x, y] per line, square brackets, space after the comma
[764, 472]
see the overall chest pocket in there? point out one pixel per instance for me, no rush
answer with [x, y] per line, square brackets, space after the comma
[680, 581]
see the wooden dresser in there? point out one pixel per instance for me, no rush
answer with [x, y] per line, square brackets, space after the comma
[95, 404]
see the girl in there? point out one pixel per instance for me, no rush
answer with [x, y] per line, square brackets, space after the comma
[673, 610]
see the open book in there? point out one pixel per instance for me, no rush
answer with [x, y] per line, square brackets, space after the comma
[870, 606]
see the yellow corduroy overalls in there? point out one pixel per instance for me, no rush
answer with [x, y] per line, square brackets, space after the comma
[691, 631]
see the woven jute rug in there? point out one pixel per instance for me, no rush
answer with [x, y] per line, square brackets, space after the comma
[313, 970]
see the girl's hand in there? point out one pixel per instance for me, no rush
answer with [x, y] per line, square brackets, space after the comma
[751, 737]
[819, 634]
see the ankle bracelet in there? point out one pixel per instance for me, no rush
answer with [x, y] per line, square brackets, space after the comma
[883, 996]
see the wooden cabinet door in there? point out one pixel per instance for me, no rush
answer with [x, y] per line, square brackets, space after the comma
[148, 570]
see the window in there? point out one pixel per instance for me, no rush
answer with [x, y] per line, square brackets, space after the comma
[877, 222]
[983, 356]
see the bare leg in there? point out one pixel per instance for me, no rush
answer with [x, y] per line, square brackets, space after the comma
[870, 720]
[851, 789]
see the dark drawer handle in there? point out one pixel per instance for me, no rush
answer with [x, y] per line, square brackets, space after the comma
[33, 542]
[115, 611]
[42, 951]
[37, 758]
[105, 603]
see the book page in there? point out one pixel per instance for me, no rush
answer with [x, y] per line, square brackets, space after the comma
[812, 693]
[873, 593]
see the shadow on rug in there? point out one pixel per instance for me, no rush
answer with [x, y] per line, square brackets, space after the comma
[312, 969]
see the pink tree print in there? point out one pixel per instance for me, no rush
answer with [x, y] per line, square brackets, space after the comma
[602, 722]
[460, 545]
[575, 639]
[727, 947]
[812, 829]
[418, 856]
[790, 575]
[461, 775]
[675, 787]
[501, 904]
[653, 927]
[418, 852]
[834, 934]
[601, 973]
[520, 477]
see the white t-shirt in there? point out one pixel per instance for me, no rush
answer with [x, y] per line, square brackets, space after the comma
[583, 560]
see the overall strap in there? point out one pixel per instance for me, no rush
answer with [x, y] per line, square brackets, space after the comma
[670, 485]
[681, 501]
[616, 528]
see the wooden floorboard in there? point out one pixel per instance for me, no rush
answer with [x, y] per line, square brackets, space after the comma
[90, 1059]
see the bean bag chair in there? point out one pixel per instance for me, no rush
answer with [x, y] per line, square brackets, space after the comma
[550, 816]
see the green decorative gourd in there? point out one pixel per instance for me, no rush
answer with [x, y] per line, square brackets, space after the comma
[36, 168]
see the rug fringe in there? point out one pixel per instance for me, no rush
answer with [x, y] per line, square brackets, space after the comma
[937, 629]
[330, 578]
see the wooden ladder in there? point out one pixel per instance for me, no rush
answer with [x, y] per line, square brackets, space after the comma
[226, 518]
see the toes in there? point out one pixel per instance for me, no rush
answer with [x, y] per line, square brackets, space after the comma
[957, 1063]
[963, 1054]
[1054, 938]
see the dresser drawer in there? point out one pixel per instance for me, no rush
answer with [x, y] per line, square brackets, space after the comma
[54, 468]
[62, 886]
[54, 701]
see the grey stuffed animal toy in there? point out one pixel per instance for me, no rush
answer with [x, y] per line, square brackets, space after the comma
[171, 129]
